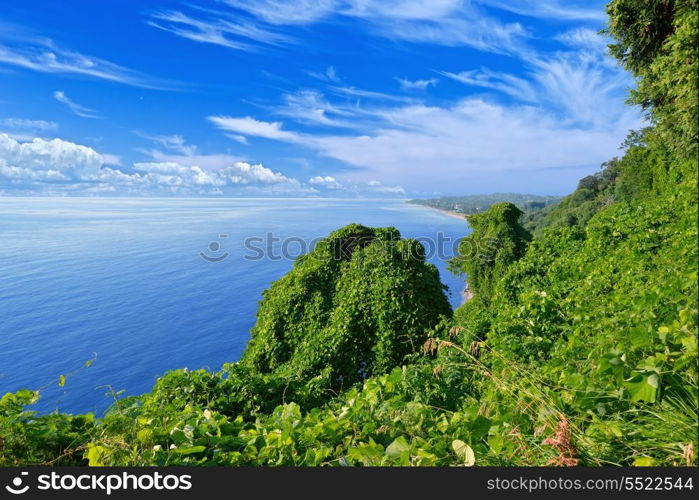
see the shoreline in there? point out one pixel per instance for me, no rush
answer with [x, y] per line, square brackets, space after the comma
[449, 213]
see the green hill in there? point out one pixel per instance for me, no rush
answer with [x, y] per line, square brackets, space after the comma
[481, 202]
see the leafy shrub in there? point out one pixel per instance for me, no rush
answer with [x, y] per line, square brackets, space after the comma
[356, 305]
[497, 241]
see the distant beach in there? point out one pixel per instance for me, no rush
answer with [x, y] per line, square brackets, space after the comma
[450, 213]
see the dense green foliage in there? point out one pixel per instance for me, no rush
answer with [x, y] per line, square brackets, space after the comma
[657, 41]
[355, 306]
[477, 203]
[497, 241]
[578, 347]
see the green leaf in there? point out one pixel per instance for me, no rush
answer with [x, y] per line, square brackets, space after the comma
[95, 455]
[496, 443]
[61, 380]
[178, 436]
[643, 386]
[398, 446]
[643, 462]
[188, 450]
[26, 396]
[464, 452]
[479, 427]
[640, 337]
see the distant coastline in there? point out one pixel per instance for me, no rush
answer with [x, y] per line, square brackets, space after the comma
[450, 213]
[463, 206]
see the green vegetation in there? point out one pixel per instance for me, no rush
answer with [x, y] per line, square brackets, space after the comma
[497, 241]
[579, 346]
[477, 203]
[355, 306]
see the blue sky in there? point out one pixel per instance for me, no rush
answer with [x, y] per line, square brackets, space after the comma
[305, 98]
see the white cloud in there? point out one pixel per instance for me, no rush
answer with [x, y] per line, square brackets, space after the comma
[327, 182]
[446, 22]
[25, 124]
[404, 9]
[552, 9]
[245, 173]
[576, 85]
[238, 138]
[581, 84]
[206, 161]
[584, 38]
[110, 159]
[371, 188]
[216, 30]
[58, 166]
[376, 187]
[176, 174]
[468, 29]
[552, 119]
[44, 55]
[54, 159]
[285, 11]
[329, 75]
[311, 107]
[426, 144]
[369, 94]
[172, 142]
[251, 127]
[416, 84]
[514, 86]
[76, 108]
[182, 153]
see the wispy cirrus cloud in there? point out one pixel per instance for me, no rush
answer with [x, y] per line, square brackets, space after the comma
[444, 22]
[285, 12]
[313, 108]
[173, 142]
[75, 108]
[178, 150]
[22, 49]
[216, 29]
[575, 84]
[249, 126]
[329, 75]
[547, 117]
[514, 86]
[584, 38]
[368, 94]
[406, 84]
[576, 10]
[27, 124]
[25, 129]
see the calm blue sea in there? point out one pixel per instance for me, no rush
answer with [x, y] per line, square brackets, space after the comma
[129, 280]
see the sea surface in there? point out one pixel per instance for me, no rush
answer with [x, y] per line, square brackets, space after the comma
[143, 286]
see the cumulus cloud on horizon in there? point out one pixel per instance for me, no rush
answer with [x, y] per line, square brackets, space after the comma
[327, 181]
[56, 166]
